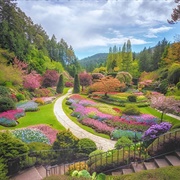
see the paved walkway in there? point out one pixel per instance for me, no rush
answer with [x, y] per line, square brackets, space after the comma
[102, 143]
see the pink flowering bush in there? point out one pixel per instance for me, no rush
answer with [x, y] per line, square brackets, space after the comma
[8, 118]
[98, 126]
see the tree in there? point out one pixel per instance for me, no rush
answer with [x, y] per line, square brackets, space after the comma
[107, 84]
[60, 85]
[76, 88]
[124, 77]
[175, 16]
[50, 78]
[165, 104]
[11, 148]
[32, 81]
[85, 79]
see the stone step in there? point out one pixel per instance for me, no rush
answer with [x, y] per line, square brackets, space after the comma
[137, 167]
[150, 165]
[161, 163]
[177, 154]
[173, 160]
[28, 174]
[116, 173]
[42, 171]
[127, 171]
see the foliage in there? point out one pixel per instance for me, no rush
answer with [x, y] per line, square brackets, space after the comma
[77, 167]
[6, 104]
[174, 73]
[76, 88]
[123, 141]
[60, 85]
[11, 147]
[4, 92]
[85, 79]
[156, 130]
[178, 85]
[3, 170]
[68, 84]
[43, 92]
[49, 78]
[30, 135]
[86, 145]
[132, 135]
[132, 98]
[165, 104]
[65, 140]
[131, 110]
[107, 84]
[124, 77]
[97, 76]
[32, 81]
[20, 96]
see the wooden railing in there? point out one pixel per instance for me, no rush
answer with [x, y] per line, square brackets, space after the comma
[59, 162]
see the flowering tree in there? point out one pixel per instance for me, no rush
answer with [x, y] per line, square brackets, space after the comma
[85, 79]
[165, 104]
[32, 81]
[107, 84]
[50, 78]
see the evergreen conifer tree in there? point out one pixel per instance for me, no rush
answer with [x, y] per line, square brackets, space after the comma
[60, 85]
[76, 88]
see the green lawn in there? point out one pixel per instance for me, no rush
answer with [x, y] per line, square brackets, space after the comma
[44, 116]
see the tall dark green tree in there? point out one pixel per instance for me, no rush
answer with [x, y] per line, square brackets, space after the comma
[76, 88]
[60, 85]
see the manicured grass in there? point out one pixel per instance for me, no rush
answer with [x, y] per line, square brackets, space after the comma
[44, 116]
[74, 119]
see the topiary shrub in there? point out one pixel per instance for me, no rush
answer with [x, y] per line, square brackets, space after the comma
[132, 98]
[6, 104]
[123, 141]
[86, 145]
[131, 110]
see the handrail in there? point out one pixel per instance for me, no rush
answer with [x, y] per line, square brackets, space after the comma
[128, 155]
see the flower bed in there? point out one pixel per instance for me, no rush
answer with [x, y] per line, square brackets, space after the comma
[9, 118]
[29, 135]
[38, 133]
[28, 106]
[93, 114]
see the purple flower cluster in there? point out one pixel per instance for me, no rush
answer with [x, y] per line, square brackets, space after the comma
[143, 118]
[156, 130]
[29, 106]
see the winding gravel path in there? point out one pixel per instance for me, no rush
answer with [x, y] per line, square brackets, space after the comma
[102, 143]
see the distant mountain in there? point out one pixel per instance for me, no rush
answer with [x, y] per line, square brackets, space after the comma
[92, 62]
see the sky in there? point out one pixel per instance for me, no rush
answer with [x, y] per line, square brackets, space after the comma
[92, 26]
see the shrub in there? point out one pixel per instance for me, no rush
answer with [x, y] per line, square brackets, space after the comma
[4, 91]
[60, 85]
[131, 110]
[39, 101]
[20, 97]
[6, 104]
[86, 145]
[116, 134]
[178, 85]
[132, 98]
[123, 141]
[43, 92]
[68, 84]
[156, 130]
[50, 78]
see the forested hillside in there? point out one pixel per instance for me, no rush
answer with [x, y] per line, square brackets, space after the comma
[29, 43]
[92, 62]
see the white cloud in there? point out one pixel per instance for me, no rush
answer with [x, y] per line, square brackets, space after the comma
[100, 23]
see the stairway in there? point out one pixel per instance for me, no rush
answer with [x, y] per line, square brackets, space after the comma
[33, 173]
[167, 160]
